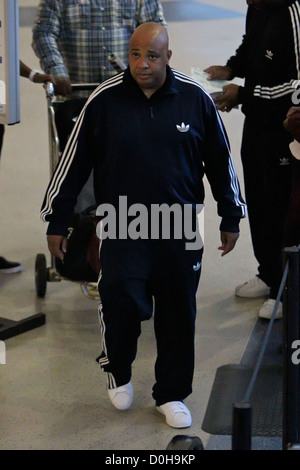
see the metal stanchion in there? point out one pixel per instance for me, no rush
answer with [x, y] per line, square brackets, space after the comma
[291, 359]
[242, 426]
[242, 413]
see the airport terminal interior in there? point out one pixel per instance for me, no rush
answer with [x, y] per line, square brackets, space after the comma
[52, 392]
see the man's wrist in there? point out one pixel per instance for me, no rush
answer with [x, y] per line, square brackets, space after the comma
[230, 224]
[230, 72]
[33, 74]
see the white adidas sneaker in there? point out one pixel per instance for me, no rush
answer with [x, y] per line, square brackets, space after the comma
[267, 309]
[255, 287]
[176, 413]
[121, 397]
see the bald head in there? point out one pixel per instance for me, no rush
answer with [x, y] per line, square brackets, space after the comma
[149, 55]
[150, 32]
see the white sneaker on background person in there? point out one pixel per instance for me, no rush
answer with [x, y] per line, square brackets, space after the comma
[267, 309]
[176, 413]
[255, 287]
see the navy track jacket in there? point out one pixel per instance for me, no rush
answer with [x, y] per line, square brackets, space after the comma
[153, 151]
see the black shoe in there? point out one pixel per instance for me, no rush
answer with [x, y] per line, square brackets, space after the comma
[9, 267]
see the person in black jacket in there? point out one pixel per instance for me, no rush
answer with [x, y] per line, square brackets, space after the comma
[268, 59]
[150, 134]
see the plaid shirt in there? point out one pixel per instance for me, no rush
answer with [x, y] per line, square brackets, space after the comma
[74, 37]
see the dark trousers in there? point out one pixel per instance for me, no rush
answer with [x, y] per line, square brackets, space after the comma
[266, 162]
[143, 278]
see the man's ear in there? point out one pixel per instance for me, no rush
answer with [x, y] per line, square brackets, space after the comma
[169, 55]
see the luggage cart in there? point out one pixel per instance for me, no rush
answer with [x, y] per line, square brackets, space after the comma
[43, 273]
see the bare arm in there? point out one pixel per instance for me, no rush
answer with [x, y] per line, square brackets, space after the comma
[38, 77]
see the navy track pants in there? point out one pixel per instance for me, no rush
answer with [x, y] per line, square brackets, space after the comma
[141, 278]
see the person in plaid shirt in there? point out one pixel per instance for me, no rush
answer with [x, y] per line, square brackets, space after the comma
[73, 38]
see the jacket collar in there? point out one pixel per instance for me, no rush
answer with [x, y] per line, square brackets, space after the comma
[169, 87]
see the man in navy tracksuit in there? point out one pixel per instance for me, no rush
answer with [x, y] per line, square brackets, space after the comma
[269, 60]
[150, 134]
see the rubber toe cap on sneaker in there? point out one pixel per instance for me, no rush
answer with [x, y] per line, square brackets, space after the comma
[121, 397]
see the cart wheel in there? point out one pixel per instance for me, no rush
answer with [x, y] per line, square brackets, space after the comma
[41, 275]
[185, 443]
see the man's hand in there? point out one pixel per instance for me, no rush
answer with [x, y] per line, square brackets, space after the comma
[43, 78]
[219, 72]
[228, 99]
[228, 240]
[62, 86]
[292, 122]
[57, 245]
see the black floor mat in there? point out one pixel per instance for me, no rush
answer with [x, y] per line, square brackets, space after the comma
[232, 381]
[230, 385]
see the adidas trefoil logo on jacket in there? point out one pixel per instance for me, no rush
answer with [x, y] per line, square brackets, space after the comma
[269, 54]
[284, 161]
[183, 127]
[197, 266]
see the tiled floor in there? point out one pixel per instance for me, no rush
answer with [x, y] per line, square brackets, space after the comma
[52, 393]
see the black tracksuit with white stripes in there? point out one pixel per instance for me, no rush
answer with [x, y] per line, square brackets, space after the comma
[268, 59]
[152, 151]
